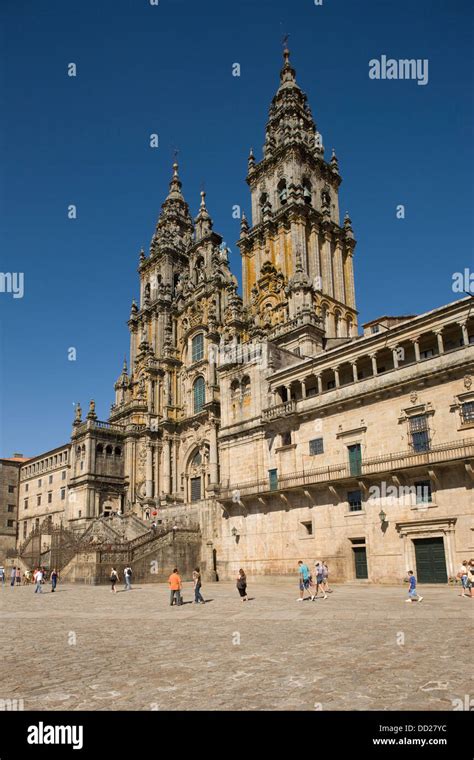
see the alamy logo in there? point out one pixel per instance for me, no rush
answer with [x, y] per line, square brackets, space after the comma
[405, 68]
[42, 734]
[12, 282]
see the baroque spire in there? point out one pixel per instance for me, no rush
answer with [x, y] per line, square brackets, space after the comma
[203, 221]
[174, 229]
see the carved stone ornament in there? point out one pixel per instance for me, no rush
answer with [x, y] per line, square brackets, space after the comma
[468, 382]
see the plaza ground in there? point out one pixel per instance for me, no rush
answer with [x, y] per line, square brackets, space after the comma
[363, 648]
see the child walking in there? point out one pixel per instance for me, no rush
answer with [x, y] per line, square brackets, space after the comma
[413, 595]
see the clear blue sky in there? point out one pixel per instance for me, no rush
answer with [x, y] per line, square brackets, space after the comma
[168, 69]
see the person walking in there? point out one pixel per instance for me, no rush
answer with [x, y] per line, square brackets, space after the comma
[326, 578]
[462, 576]
[38, 580]
[304, 576]
[470, 576]
[18, 576]
[197, 586]
[320, 580]
[174, 582]
[114, 577]
[12, 577]
[127, 576]
[2, 575]
[54, 580]
[242, 585]
[413, 595]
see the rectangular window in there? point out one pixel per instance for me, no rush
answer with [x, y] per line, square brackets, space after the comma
[375, 329]
[316, 447]
[50, 479]
[423, 492]
[196, 489]
[11, 489]
[39, 483]
[354, 500]
[330, 385]
[26, 487]
[63, 494]
[286, 439]
[467, 412]
[419, 433]
[25, 504]
[50, 497]
[198, 347]
[308, 528]
[63, 475]
[427, 354]
[10, 524]
[11, 508]
[273, 480]
[38, 500]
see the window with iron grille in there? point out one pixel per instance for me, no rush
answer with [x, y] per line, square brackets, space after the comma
[316, 446]
[10, 524]
[467, 412]
[195, 489]
[198, 347]
[423, 492]
[63, 494]
[354, 499]
[11, 508]
[199, 394]
[11, 489]
[419, 432]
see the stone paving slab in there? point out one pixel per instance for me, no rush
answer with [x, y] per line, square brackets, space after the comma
[84, 648]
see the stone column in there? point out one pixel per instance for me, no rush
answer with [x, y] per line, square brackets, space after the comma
[320, 384]
[416, 345]
[213, 456]
[374, 364]
[326, 265]
[288, 392]
[439, 336]
[166, 469]
[336, 376]
[395, 357]
[354, 371]
[149, 471]
[339, 290]
[465, 336]
[303, 389]
[349, 279]
[157, 468]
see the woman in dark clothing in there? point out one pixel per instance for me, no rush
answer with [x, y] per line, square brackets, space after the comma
[113, 580]
[242, 585]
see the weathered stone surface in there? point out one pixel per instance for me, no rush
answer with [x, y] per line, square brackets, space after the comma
[132, 651]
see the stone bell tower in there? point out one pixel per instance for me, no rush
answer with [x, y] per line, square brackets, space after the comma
[298, 280]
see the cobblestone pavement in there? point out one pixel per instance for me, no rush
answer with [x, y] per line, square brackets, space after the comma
[363, 648]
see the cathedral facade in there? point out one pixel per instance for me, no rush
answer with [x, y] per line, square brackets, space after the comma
[267, 419]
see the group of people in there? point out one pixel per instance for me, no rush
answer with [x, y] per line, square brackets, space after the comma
[466, 576]
[313, 585]
[37, 576]
[127, 577]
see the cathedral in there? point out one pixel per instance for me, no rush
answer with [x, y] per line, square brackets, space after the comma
[257, 430]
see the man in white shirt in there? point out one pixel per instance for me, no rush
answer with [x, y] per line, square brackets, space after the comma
[38, 579]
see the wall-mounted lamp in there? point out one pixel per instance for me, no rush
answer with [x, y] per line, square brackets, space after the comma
[382, 516]
[235, 532]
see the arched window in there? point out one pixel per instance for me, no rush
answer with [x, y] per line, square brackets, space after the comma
[263, 199]
[282, 192]
[108, 451]
[197, 347]
[245, 386]
[118, 451]
[99, 449]
[199, 394]
[337, 324]
[307, 194]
